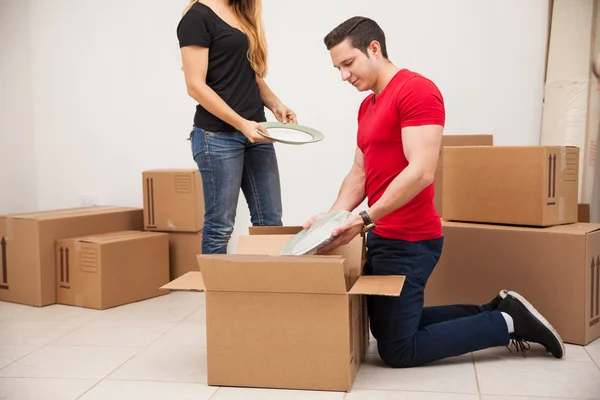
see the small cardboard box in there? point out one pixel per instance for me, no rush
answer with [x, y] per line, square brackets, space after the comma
[557, 269]
[289, 322]
[27, 246]
[111, 269]
[173, 200]
[527, 186]
[184, 248]
[454, 140]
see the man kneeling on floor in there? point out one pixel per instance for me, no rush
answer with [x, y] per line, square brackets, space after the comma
[400, 128]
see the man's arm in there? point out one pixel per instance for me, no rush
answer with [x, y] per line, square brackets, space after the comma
[352, 191]
[421, 148]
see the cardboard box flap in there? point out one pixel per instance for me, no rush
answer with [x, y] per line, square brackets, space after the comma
[263, 243]
[383, 285]
[192, 281]
[273, 274]
[274, 230]
[171, 171]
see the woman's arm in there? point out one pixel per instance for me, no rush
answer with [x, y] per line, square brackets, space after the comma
[195, 66]
[272, 102]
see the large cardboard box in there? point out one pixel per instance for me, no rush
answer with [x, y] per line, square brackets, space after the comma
[557, 269]
[528, 186]
[111, 269]
[289, 322]
[184, 248]
[173, 200]
[454, 140]
[27, 246]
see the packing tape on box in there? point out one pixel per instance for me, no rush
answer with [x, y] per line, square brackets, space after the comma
[79, 300]
[563, 158]
[561, 209]
[8, 226]
[77, 246]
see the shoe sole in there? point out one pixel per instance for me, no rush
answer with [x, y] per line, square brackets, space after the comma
[539, 317]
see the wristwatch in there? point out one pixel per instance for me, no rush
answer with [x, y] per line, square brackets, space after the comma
[369, 225]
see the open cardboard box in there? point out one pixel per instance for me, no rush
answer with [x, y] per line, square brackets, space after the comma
[289, 322]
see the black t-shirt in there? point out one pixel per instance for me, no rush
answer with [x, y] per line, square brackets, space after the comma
[230, 73]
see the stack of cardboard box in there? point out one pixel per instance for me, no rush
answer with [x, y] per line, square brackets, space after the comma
[174, 204]
[82, 257]
[510, 220]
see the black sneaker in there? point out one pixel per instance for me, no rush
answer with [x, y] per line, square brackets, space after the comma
[496, 300]
[530, 326]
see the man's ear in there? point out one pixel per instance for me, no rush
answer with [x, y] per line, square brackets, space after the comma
[375, 48]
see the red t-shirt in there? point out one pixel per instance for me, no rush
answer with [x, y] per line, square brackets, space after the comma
[409, 99]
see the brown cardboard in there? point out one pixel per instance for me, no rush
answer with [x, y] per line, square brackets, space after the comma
[274, 230]
[27, 246]
[529, 185]
[289, 322]
[111, 269]
[184, 248]
[173, 200]
[454, 140]
[557, 269]
[584, 213]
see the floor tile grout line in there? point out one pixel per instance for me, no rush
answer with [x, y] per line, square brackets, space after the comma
[411, 391]
[590, 356]
[102, 379]
[142, 348]
[20, 358]
[154, 380]
[212, 396]
[41, 347]
[476, 377]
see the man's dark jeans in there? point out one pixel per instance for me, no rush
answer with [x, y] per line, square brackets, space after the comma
[409, 334]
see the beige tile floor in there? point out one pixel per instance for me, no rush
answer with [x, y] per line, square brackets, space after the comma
[155, 349]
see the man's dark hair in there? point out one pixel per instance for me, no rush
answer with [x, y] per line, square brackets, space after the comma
[361, 31]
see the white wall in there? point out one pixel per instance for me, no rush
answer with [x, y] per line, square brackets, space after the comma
[110, 101]
[17, 161]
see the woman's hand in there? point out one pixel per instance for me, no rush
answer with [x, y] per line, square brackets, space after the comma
[250, 130]
[283, 113]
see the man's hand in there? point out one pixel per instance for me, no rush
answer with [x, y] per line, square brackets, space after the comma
[345, 233]
[312, 220]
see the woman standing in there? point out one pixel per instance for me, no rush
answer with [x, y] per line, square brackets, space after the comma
[224, 54]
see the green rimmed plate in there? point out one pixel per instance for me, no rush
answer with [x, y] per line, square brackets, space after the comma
[310, 241]
[291, 133]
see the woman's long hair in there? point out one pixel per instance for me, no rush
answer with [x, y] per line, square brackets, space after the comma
[249, 13]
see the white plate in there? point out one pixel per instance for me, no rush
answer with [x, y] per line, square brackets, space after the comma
[309, 241]
[291, 133]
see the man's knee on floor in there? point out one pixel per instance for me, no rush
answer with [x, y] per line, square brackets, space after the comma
[398, 355]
